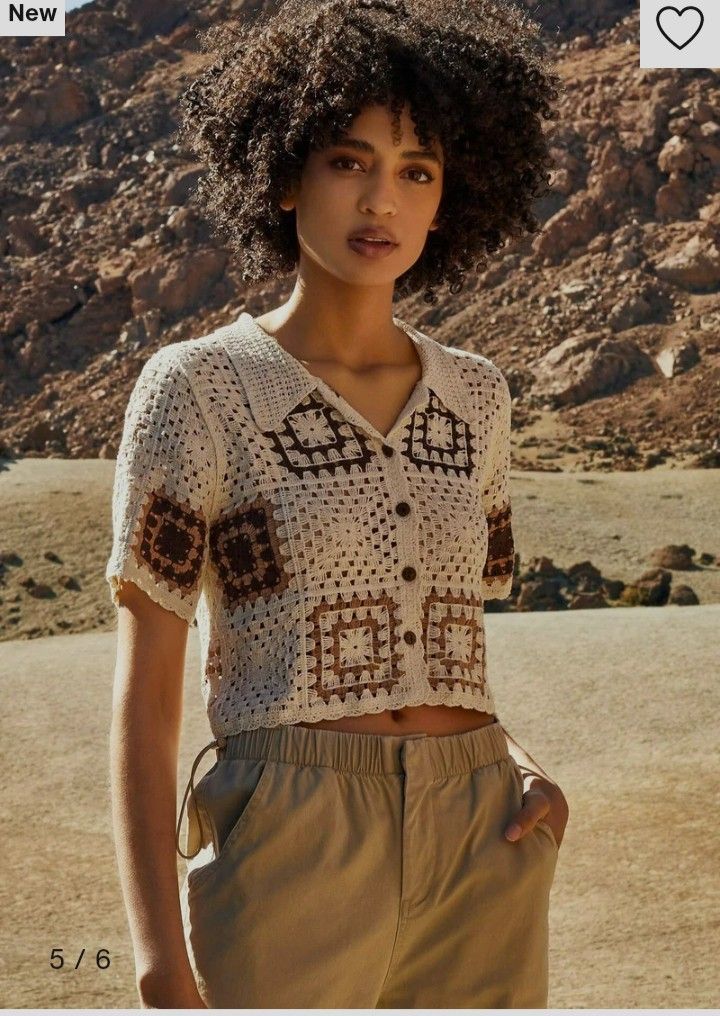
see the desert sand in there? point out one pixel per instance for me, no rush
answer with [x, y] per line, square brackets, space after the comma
[620, 706]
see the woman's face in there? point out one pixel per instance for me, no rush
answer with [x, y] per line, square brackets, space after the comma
[368, 180]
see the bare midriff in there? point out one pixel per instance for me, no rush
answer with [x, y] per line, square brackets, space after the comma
[426, 719]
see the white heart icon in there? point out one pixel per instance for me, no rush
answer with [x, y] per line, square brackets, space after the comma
[680, 27]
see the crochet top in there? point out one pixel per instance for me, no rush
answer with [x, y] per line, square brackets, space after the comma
[334, 571]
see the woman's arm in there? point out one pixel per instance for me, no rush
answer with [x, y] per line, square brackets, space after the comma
[145, 733]
[542, 797]
[523, 759]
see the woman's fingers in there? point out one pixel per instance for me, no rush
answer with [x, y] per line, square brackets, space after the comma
[536, 804]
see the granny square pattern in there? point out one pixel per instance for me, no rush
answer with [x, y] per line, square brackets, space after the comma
[332, 570]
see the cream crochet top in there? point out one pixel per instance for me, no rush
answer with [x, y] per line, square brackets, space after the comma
[333, 571]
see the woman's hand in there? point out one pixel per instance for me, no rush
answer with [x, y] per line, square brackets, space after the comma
[541, 799]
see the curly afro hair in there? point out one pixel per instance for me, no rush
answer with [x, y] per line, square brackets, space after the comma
[284, 82]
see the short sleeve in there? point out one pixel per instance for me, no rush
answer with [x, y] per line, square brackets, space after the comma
[498, 570]
[163, 491]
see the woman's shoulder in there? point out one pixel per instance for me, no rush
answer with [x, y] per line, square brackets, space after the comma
[181, 370]
[188, 355]
[482, 373]
[473, 360]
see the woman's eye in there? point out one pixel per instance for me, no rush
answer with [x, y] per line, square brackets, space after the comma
[353, 162]
[428, 179]
[342, 158]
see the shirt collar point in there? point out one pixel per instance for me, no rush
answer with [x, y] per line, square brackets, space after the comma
[441, 374]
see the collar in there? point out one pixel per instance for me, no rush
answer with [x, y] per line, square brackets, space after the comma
[276, 381]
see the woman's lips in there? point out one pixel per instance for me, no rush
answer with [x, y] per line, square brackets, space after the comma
[371, 248]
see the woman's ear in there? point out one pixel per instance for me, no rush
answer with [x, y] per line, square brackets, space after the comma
[287, 202]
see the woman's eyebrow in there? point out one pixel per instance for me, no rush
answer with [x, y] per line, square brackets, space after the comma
[360, 145]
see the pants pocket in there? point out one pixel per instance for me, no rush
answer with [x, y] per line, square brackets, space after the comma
[546, 827]
[223, 804]
[541, 826]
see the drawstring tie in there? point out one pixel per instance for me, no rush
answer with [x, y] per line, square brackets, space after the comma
[219, 742]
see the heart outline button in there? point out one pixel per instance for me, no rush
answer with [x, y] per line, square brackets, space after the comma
[674, 10]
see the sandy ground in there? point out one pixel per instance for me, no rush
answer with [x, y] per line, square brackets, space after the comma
[621, 707]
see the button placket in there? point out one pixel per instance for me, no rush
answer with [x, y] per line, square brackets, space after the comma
[408, 557]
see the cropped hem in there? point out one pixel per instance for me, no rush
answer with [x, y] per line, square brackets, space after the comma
[353, 706]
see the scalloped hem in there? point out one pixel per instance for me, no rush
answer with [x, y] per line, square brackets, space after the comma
[359, 707]
[164, 599]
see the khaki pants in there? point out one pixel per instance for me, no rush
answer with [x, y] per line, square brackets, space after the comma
[334, 869]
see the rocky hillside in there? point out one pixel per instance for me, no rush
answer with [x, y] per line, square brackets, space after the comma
[607, 323]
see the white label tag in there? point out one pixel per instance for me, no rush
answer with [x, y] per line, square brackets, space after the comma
[20, 18]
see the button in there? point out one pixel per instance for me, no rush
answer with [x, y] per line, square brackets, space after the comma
[408, 572]
[410, 637]
[402, 508]
[387, 450]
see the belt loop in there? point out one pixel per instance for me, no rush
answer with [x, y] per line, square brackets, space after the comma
[218, 742]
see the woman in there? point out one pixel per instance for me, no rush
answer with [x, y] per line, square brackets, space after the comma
[328, 488]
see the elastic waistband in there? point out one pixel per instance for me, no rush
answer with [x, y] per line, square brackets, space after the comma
[443, 755]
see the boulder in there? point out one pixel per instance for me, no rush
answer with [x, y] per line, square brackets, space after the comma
[584, 366]
[673, 556]
[678, 356]
[573, 226]
[24, 237]
[180, 184]
[695, 267]
[674, 199]
[62, 102]
[683, 596]
[179, 287]
[630, 311]
[652, 588]
[585, 601]
[677, 156]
